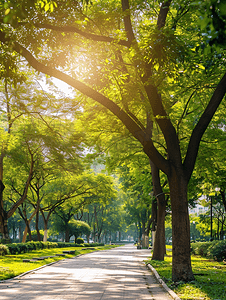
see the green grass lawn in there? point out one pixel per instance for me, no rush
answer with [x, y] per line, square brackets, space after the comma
[210, 278]
[13, 265]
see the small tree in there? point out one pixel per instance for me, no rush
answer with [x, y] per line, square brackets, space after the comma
[78, 228]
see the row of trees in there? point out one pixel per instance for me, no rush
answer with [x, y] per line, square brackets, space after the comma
[43, 164]
[152, 72]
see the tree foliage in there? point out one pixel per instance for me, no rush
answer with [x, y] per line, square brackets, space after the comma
[145, 62]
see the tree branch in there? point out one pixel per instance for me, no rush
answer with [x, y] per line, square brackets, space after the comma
[90, 36]
[155, 100]
[127, 21]
[24, 195]
[202, 125]
[163, 14]
[130, 124]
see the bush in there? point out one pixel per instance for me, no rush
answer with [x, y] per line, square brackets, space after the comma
[79, 241]
[4, 250]
[214, 250]
[5, 241]
[217, 250]
[200, 248]
[29, 246]
[93, 244]
[13, 248]
[65, 244]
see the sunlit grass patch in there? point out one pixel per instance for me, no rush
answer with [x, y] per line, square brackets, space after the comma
[5, 273]
[209, 283]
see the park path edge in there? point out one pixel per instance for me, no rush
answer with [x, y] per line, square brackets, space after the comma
[172, 294]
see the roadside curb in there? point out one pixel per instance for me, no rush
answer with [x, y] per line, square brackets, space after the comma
[172, 294]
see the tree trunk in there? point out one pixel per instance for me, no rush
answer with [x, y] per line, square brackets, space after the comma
[4, 228]
[145, 240]
[3, 215]
[14, 231]
[27, 222]
[24, 235]
[144, 236]
[222, 192]
[67, 238]
[159, 243]
[20, 233]
[27, 230]
[36, 226]
[45, 230]
[76, 238]
[181, 265]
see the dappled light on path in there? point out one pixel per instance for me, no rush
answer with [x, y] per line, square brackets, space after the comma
[114, 274]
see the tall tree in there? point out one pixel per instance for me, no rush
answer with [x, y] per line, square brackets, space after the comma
[151, 61]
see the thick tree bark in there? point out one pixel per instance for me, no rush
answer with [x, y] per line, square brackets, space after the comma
[160, 245]
[181, 265]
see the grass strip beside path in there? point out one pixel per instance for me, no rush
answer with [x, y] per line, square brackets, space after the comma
[13, 265]
[209, 283]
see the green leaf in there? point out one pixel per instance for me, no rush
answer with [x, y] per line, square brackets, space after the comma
[51, 7]
[47, 7]
[7, 11]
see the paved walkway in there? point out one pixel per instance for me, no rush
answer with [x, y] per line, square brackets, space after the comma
[104, 275]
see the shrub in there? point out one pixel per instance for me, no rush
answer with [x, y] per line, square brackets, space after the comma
[79, 241]
[93, 244]
[4, 250]
[5, 241]
[65, 244]
[29, 246]
[215, 250]
[200, 248]
[49, 245]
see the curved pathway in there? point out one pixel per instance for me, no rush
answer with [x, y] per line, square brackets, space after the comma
[118, 273]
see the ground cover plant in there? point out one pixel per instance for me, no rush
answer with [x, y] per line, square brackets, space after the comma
[209, 283]
[13, 265]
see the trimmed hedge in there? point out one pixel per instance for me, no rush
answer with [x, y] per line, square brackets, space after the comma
[214, 250]
[29, 246]
[94, 244]
[64, 245]
[17, 248]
